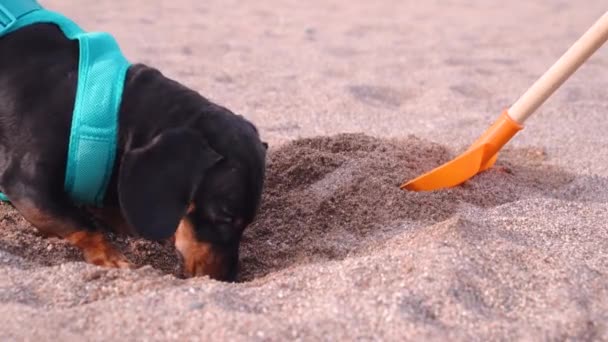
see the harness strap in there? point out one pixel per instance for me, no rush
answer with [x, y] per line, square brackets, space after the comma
[102, 70]
[12, 10]
[93, 139]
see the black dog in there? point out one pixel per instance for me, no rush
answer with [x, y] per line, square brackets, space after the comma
[186, 168]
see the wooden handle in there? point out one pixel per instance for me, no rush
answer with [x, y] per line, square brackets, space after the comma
[586, 46]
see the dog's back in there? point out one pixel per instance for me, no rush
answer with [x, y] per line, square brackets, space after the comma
[38, 65]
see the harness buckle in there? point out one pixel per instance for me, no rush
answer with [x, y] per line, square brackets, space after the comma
[7, 19]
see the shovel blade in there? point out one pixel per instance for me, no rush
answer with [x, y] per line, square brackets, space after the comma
[454, 172]
[479, 157]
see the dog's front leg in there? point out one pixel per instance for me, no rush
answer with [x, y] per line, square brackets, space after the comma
[58, 217]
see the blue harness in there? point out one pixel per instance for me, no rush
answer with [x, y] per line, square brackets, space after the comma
[102, 69]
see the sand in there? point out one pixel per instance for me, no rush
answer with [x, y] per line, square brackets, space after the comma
[355, 97]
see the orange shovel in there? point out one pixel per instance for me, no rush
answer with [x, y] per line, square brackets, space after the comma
[483, 153]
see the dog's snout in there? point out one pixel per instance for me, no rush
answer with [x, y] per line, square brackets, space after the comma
[203, 258]
[226, 232]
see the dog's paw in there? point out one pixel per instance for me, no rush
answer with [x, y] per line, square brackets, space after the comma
[108, 258]
[98, 251]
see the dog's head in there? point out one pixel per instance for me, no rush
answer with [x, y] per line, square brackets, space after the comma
[201, 186]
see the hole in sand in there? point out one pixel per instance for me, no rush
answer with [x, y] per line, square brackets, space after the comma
[327, 198]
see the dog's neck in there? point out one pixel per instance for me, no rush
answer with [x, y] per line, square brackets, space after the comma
[142, 117]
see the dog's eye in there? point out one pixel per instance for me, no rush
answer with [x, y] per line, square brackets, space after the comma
[225, 220]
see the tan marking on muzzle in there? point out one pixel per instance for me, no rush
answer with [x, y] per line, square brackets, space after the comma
[200, 259]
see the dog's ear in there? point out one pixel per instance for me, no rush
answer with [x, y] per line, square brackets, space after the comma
[156, 182]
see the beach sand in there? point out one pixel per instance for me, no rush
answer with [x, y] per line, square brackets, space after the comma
[355, 97]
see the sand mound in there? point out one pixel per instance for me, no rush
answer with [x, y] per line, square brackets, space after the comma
[327, 197]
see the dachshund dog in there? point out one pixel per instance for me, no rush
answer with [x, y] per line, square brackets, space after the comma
[186, 169]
